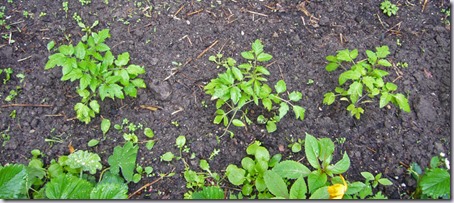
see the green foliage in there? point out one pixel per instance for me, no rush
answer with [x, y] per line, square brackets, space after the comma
[364, 190]
[124, 158]
[8, 72]
[434, 182]
[388, 8]
[99, 73]
[85, 161]
[210, 192]
[245, 83]
[13, 182]
[362, 79]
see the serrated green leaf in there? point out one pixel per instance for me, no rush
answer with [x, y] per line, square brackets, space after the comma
[67, 50]
[402, 101]
[291, 169]
[372, 57]
[79, 51]
[86, 161]
[271, 126]
[139, 82]
[283, 109]
[209, 193]
[55, 59]
[13, 182]
[267, 103]
[369, 82]
[263, 57]
[103, 35]
[436, 183]
[391, 86]
[295, 96]
[276, 184]
[67, 186]
[379, 73]
[262, 70]
[384, 62]
[122, 59]
[94, 105]
[382, 52]
[50, 45]
[348, 75]
[235, 94]
[355, 91]
[257, 47]
[124, 158]
[329, 98]
[109, 191]
[247, 55]
[135, 70]
[298, 189]
[105, 125]
[331, 67]
[92, 143]
[280, 86]
[299, 112]
[116, 90]
[238, 123]
[237, 73]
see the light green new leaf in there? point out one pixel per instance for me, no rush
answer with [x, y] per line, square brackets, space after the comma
[84, 81]
[180, 141]
[138, 82]
[298, 189]
[235, 175]
[13, 181]
[116, 90]
[391, 86]
[55, 59]
[369, 82]
[326, 149]
[329, 98]
[295, 96]
[280, 86]
[150, 144]
[263, 57]
[299, 112]
[247, 55]
[67, 50]
[262, 154]
[402, 101]
[92, 143]
[204, 165]
[79, 51]
[122, 59]
[50, 45]
[209, 193]
[168, 156]
[283, 109]
[109, 191]
[276, 184]
[238, 123]
[316, 180]
[348, 75]
[67, 186]
[371, 56]
[124, 158]
[367, 175]
[436, 183]
[86, 161]
[312, 150]
[355, 91]
[135, 70]
[271, 126]
[103, 35]
[385, 181]
[267, 103]
[262, 70]
[291, 169]
[148, 132]
[341, 166]
[105, 125]
[382, 52]
[257, 47]
[331, 67]
[384, 62]
[237, 73]
[321, 193]
[94, 105]
[235, 94]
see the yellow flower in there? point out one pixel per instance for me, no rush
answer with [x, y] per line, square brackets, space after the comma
[337, 191]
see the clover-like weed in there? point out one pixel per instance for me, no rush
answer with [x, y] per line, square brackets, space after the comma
[389, 8]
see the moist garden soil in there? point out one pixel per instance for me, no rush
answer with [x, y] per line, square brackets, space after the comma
[169, 38]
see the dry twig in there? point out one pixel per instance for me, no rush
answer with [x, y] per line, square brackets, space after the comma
[204, 51]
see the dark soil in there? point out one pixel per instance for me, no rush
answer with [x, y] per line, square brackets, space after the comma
[383, 140]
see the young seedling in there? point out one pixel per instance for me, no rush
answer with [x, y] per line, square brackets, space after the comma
[244, 84]
[389, 8]
[363, 76]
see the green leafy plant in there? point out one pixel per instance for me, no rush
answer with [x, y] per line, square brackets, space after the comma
[388, 8]
[243, 84]
[100, 74]
[363, 79]
[434, 182]
[202, 185]
[8, 72]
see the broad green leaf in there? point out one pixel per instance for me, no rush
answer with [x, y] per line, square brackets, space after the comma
[348, 75]
[369, 82]
[275, 159]
[103, 35]
[291, 169]
[94, 105]
[355, 91]
[326, 149]
[261, 166]
[385, 181]
[299, 112]
[108, 58]
[92, 143]
[368, 176]
[283, 109]
[341, 166]
[74, 74]
[79, 51]
[109, 191]
[55, 59]
[67, 186]
[261, 153]
[354, 187]
[235, 175]
[135, 70]
[124, 158]
[252, 148]
[117, 91]
[391, 86]
[331, 67]
[260, 184]
[271, 126]
[371, 56]
[237, 73]
[402, 102]
[248, 164]
[331, 58]
[13, 182]
[329, 98]
[235, 94]
[262, 70]
[204, 165]
[276, 184]
[263, 57]
[122, 59]
[295, 96]
[298, 189]
[180, 141]
[138, 82]
[265, 91]
[382, 52]
[247, 55]
[150, 144]
[103, 91]
[384, 62]
[50, 45]
[296, 147]
[148, 132]
[209, 193]
[86, 161]
[67, 50]
[124, 77]
[436, 183]
[168, 156]
[267, 103]
[105, 125]
[321, 193]
[312, 150]
[257, 47]
[353, 54]
[238, 123]
[379, 73]
[280, 86]
[315, 181]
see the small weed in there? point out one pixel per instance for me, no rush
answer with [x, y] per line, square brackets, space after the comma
[175, 123]
[85, 2]
[446, 19]
[389, 8]
[8, 72]
[402, 64]
[65, 7]
[5, 137]
[12, 114]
